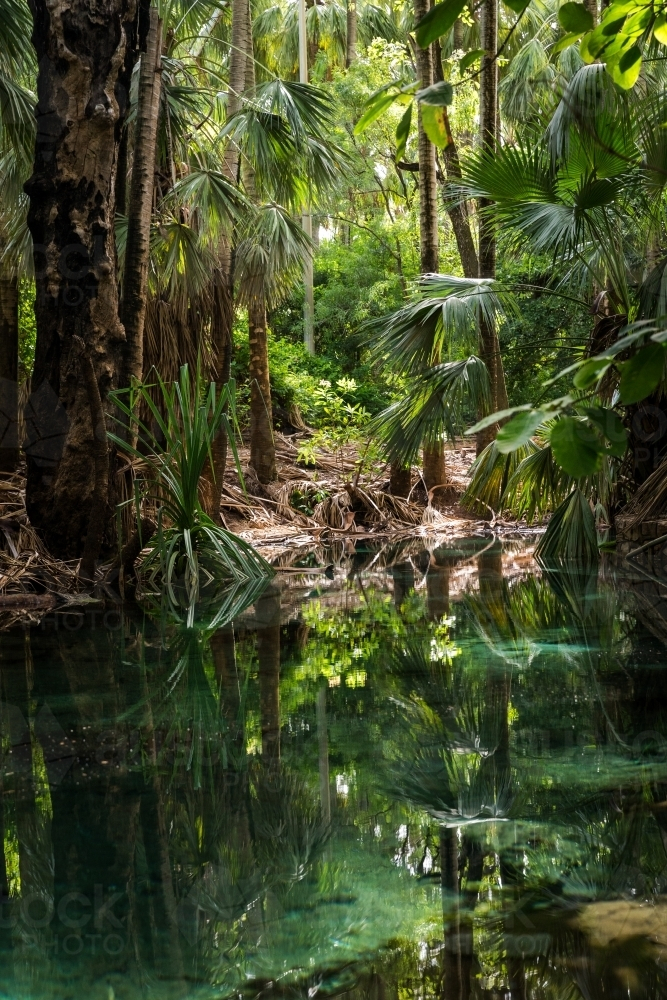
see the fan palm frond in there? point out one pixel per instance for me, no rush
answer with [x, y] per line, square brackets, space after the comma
[433, 407]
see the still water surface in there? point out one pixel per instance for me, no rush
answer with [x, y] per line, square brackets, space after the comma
[417, 774]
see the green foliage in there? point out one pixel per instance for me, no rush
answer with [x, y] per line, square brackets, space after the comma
[174, 448]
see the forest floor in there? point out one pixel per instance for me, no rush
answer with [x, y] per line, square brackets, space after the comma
[342, 496]
[334, 503]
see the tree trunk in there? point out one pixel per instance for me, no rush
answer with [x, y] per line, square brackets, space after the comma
[489, 128]
[80, 50]
[434, 455]
[351, 49]
[262, 445]
[222, 319]
[137, 251]
[9, 371]
[458, 212]
[400, 479]
[428, 198]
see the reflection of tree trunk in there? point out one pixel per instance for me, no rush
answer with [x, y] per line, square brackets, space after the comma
[267, 616]
[403, 575]
[9, 369]
[161, 898]
[437, 587]
[323, 752]
[455, 985]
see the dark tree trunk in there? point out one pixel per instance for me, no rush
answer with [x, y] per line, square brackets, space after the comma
[9, 371]
[489, 128]
[80, 50]
[351, 47]
[458, 212]
[221, 336]
[434, 467]
[428, 198]
[400, 479]
[137, 251]
[262, 445]
[434, 455]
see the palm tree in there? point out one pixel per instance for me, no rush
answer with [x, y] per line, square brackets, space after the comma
[16, 140]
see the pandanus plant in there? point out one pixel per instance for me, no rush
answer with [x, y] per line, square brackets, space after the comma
[173, 451]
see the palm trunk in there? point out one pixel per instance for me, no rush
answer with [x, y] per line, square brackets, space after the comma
[9, 371]
[262, 444]
[489, 129]
[434, 453]
[458, 213]
[222, 318]
[135, 278]
[351, 48]
[71, 219]
[400, 479]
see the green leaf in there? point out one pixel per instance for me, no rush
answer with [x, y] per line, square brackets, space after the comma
[626, 71]
[611, 427]
[433, 120]
[574, 17]
[590, 373]
[494, 418]
[519, 430]
[469, 58]
[403, 132]
[660, 29]
[374, 108]
[439, 20]
[437, 95]
[565, 42]
[642, 374]
[574, 447]
[518, 6]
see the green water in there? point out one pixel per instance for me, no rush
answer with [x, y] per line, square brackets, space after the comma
[415, 774]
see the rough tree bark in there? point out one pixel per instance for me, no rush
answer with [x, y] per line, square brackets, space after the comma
[80, 47]
[137, 250]
[457, 211]
[222, 317]
[489, 127]
[262, 444]
[9, 370]
[433, 455]
[351, 46]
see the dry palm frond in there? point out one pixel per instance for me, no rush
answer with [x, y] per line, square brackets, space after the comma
[650, 501]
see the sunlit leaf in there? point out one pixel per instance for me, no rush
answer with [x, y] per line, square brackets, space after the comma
[660, 29]
[469, 58]
[626, 72]
[403, 132]
[433, 120]
[437, 95]
[575, 17]
[519, 430]
[374, 109]
[439, 20]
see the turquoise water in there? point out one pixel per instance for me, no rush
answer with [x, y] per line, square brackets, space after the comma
[401, 773]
